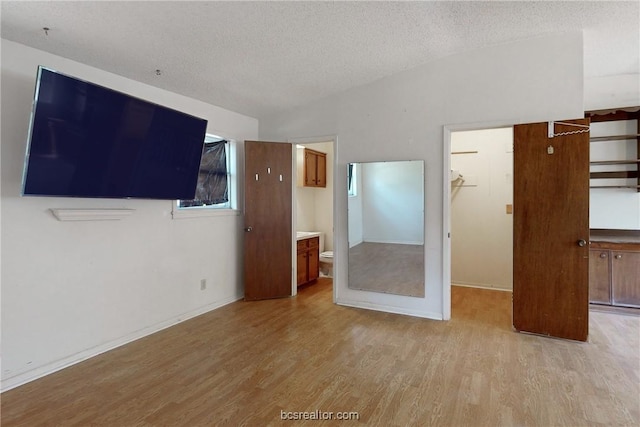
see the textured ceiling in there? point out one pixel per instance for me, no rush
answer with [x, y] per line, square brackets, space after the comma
[260, 57]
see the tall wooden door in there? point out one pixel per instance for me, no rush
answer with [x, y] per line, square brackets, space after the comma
[267, 219]
[551, 229]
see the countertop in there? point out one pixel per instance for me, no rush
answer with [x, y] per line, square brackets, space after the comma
[301, 235]
[615, 236]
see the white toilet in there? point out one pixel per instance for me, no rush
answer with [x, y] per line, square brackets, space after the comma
[326, 263]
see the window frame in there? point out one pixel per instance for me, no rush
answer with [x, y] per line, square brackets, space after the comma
[352, 190]
[229, 208]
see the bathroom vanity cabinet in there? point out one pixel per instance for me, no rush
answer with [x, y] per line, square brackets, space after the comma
[313, 169]
[614, 270]
[308, 263]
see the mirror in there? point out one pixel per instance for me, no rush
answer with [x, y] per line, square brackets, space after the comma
[386, 227]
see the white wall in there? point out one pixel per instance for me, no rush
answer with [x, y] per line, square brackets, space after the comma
[393, 202]
[403, 117]
[71, 290]
[601, 93]
[481, 229]
[314, 206]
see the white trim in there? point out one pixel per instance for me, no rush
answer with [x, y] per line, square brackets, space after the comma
[313, 139]
[91, 214]
[391, 309]
[446, 225]
[294, 215]
[25, 377]
[336, 254]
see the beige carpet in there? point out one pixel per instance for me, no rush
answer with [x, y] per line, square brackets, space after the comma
[386, 267]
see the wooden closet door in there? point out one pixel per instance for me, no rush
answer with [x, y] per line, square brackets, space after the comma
[551, 231]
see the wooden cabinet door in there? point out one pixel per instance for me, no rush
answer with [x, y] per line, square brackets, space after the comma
[321, 170]
[315, 168]
[625, 278]
[310, 168]
[313, 264]
[599, 276]
[302, 268]
[308, 260]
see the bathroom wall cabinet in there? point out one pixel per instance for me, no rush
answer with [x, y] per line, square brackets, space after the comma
[614, 274]
[314, 168]
[308, 260]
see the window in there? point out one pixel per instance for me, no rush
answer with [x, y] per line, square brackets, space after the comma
[351, 180]
[214, 187]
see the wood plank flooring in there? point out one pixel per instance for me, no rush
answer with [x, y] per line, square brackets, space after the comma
[246, 362]
[387, 267]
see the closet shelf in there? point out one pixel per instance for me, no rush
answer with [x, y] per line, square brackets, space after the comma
[615, 186]
[614, 115]
[615, 162]
[614, 174]
[614, 137]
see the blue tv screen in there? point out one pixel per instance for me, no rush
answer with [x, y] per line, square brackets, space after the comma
[86, 140]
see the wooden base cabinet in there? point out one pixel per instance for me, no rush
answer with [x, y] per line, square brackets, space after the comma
[625, 278]
[599, 276]
[308, 264]
[614, 274]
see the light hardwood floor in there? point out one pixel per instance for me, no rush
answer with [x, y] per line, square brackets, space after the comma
[246, 362]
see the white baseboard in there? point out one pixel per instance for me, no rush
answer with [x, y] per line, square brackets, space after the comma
[41, 371]
[395, 242]
[482, 286]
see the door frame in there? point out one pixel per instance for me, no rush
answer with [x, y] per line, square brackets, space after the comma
[446, 202]
[336, 252]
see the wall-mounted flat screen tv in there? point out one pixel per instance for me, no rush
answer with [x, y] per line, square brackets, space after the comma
[86, 140]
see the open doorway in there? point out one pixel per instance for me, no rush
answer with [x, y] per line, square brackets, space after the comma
[313, 212]
[481, 208]
[550, 226]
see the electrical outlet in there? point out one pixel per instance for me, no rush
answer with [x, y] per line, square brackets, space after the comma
[203, 284]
